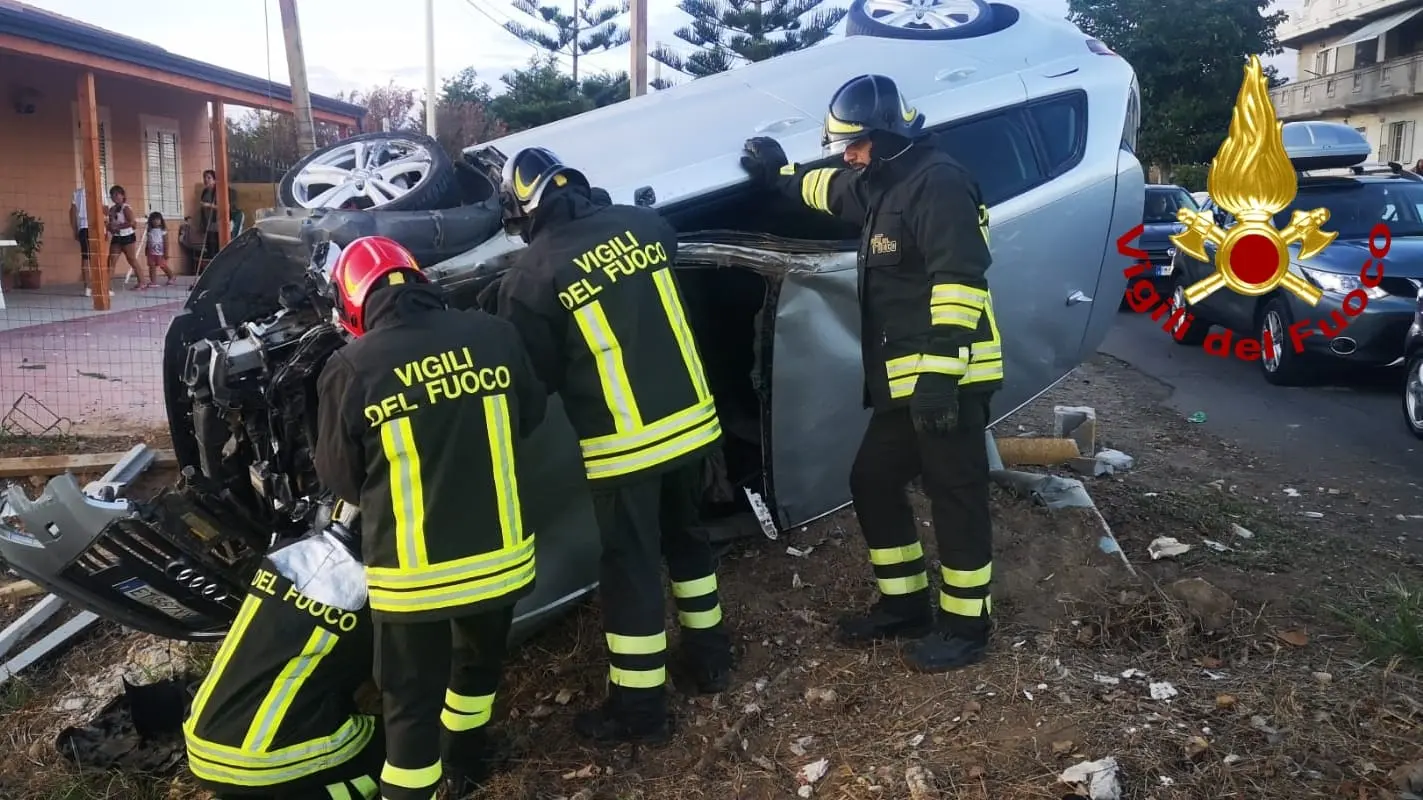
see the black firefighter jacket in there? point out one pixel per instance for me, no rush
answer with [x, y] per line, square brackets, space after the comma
[277, 709]
[420, 422]
[596, 299]
[924, 299]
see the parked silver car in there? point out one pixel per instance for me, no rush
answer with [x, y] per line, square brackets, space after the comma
[1045, 117]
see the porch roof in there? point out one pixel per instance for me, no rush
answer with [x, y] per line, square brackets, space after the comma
[43, 34]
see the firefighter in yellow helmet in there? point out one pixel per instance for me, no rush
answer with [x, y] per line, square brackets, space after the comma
[932, 361]
[596, 299]
[419, 424]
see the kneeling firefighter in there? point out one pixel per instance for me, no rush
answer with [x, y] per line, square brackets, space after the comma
[420, 423]
[597, 302]
[932, 361]
[276, 717]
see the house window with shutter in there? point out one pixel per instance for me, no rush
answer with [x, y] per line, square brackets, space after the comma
[1398, 146]
[104, 151]
[162, 172]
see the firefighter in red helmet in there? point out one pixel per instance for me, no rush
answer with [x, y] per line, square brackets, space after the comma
[420, 423]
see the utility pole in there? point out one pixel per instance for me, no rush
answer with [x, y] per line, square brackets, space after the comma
[430, 68]
[296, 66]
[638, 73]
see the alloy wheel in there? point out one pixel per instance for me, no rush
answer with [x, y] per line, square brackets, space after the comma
[1272, 356]
[371, 172]
[1413, 395]
[926, 15]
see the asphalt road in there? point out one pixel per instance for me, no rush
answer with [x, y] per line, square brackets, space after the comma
[1353, 422]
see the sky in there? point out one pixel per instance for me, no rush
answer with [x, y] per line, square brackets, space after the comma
[357, 44]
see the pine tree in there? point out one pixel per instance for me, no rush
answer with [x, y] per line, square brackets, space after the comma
[587, 29]
[726, 33]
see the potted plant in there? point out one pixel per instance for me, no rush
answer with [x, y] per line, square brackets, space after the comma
[28, 232]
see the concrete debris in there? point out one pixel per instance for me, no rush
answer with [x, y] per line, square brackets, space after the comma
[1166, 547]
[1207, 604]
[1094, 780]
[1036, 452]
[1115, 459]
[1078, 423]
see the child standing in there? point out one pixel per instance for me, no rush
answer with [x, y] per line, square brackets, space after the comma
[157, 248]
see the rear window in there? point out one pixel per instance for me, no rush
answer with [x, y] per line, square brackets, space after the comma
[998, 152]
[1162, 205]
[1061, 124]
[1356, 206]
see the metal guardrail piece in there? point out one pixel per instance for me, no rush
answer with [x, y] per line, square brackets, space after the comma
[112, 485]
[56, 638]
[26, 624]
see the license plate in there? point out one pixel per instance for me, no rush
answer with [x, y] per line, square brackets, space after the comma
[1165, 270]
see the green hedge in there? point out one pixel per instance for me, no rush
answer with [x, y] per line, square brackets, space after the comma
[1191, 176]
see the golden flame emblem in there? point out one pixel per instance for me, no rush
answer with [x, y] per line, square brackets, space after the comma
[1252, 178]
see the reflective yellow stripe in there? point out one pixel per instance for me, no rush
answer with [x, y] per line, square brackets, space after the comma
[983, 372]
[670, 425]
[464, 593]
[967, 579]
[274, 707]
[815, 188]
[888, 556]
[234, 766]
[465, 713]
[411, 778]
[637, 645]
[953, 315]
[908, 585]
[672, 306]
[982, 351]
[903, 387]
[705, 433]
[943, 365]
[447, 572]
[612, 372]
[501, 458]
[963, 606]
[967, 296]
[700, 620]
[637, 678]
[338, 791]
[695, 587]
[407, 493]
[367, 786]
[249, 608]
[835, 125]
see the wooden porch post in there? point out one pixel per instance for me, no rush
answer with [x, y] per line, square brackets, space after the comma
[219, 150]
[93, 191]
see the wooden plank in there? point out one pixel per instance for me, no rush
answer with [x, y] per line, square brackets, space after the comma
[26, 466]
[18, 590]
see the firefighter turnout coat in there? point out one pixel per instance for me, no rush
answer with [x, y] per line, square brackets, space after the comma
[278, 707]
[924, 299]
[596, 299]
[420, 421]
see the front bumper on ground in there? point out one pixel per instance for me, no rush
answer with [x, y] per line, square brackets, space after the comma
[160, 567]
[1374, 338]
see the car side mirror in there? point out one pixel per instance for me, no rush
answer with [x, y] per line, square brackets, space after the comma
[1221, 218]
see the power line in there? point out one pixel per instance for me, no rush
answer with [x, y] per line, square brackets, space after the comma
[559, 57]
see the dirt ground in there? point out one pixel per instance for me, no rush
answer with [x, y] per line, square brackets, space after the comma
[1257, 687]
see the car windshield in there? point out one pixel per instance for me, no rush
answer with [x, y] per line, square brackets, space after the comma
[1356, 206]
[1162, 204]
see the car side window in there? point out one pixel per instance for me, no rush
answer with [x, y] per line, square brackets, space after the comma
[1222, 217]
[1061, 126]
[997, 150]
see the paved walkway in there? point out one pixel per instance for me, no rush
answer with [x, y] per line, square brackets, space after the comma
[101, 371]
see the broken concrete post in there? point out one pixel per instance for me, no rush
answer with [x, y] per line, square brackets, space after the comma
[1078, 423]
[1035, 451]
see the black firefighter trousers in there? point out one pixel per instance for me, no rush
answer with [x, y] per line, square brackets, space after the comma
[641, 523]
[437, 682]
[954, 473]
[353, 780]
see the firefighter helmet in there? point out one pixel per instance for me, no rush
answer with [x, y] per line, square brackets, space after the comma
[528, 175]
[365, 265]
[865, 106]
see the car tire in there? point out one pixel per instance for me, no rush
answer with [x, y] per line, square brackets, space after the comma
[1196, 329]
[1413, 396]
[430, 184]
[1288, 366]
[967, 18]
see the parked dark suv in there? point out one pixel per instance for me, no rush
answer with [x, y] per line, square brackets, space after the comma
[1413, 384]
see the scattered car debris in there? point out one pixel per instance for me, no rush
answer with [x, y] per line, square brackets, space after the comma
[798, 552]
[1166, 547]
[1290, 491]
[809, 774]
[1313, 514]
[1093, 780]
[1162, 691]
[763, 514]
[1054, 492]
[1217, 546]
[1241, 531]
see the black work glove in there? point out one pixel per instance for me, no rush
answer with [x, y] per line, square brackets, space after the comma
[488, 298]
[762, 158]
[934, 407]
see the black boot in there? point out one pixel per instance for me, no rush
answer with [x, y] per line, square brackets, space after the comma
[471, 758]
[944, 651]
[615, 722]
[884, 622]
[705, 661]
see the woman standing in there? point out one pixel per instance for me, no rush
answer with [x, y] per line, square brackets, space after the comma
[123, 238]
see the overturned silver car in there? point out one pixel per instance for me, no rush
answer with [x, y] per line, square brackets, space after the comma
[1045, 117]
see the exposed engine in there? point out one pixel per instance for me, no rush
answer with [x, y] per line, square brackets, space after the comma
[253, 394]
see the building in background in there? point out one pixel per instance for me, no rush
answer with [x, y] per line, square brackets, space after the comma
[1360, 63]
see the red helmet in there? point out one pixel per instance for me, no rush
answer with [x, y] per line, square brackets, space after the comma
[360, 268]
